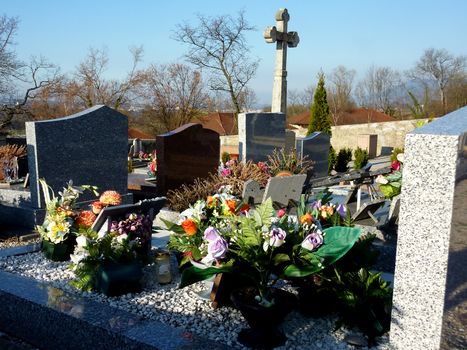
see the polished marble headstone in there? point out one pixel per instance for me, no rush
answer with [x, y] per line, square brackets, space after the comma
[430, 304]
[259, 134]
[89, 148]
[316, 148]
[185, 154]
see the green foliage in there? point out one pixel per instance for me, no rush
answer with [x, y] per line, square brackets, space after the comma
[361, 158]
[418, 109]
[394, 185]
[194, 274]
[365, 301]
[395, 152]
[332, 159]
[320, 117]
[343, 158]
[225, 157]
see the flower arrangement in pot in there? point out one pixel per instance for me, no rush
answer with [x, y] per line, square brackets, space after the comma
[111, 261]
[62, 220]
[264, 245]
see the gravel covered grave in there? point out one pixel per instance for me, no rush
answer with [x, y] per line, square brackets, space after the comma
[185, 308]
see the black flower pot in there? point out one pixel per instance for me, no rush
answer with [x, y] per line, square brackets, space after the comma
[119, 278]
[264, 332]
[59, 251]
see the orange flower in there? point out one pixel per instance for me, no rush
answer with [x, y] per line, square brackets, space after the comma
[326, 211]
[190, 227]
[111, 198]
[66, 211]
[211, 201]
[244, 208]
[86, 218]
[307, 218]
[96, 207]
[231, 204]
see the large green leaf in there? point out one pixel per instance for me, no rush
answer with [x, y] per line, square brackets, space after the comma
[193, 274]
[171, 226]
[337, 242]
[249, 236]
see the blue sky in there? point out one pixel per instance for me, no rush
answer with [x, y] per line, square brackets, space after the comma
[354, 33]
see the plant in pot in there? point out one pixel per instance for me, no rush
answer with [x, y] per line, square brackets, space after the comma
[111, 261]
[62, 220]
[263, 245]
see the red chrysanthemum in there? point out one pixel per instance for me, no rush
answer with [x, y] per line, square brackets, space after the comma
[111, 198]
[97, 207]
[86, 218]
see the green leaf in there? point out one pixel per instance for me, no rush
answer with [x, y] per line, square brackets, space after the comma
[337, 242]
[301, 271]
[265, 212]
[281, 258]
[193, 274]
[171, 226]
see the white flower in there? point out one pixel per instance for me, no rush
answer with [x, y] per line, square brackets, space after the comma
[400, 157]
[121, 238]
[81, 241]
[380, 179]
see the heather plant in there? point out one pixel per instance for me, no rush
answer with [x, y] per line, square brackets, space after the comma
[332, 159]
[361, 158]
[281, 162]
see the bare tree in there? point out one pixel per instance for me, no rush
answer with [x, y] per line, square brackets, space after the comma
[92, 88]
[218, 45]
[10, 65]
[38, 74]
[379, 89]
[299, 101]
[175, 94]
[340, 91]
[440, 66]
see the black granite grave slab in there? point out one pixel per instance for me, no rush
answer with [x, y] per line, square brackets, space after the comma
[49, 318]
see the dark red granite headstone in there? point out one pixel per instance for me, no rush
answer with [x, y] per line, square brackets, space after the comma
[185, 154]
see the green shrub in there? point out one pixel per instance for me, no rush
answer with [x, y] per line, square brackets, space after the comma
[361, 158]
[225, 157]
[332, 159]
[395, 152]
[343, 158]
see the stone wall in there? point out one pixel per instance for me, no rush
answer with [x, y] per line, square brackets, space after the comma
[390, 135]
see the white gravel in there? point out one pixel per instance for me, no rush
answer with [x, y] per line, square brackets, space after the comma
[184, 308]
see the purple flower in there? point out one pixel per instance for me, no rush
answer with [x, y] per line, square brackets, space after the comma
[312, 241]
[211, 234]
[277, 237]
[342, 210]
[316, 204]
[217, 248]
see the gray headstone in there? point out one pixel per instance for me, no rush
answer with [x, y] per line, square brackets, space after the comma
[89, 148]
[316, 147]
[259, 134]
[137, 147]
[252, 192]
[282, 190]
[289, 141]
[429, 300]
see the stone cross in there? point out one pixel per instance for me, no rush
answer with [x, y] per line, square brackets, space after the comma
[282, 38]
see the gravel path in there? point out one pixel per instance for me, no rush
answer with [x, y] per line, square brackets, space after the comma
[167, 303]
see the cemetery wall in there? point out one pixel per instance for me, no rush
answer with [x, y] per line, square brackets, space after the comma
[390, 134]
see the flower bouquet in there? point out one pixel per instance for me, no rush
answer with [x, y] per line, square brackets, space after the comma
[62, 220]
[390, 185]
[111, 262]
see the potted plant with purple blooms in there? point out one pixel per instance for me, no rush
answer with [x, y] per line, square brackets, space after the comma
[111, 262]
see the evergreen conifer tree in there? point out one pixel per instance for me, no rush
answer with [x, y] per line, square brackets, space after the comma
[320, 118]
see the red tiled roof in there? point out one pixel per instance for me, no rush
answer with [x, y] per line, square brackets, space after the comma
[138, 134]
[355, 116]
[220, 122]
